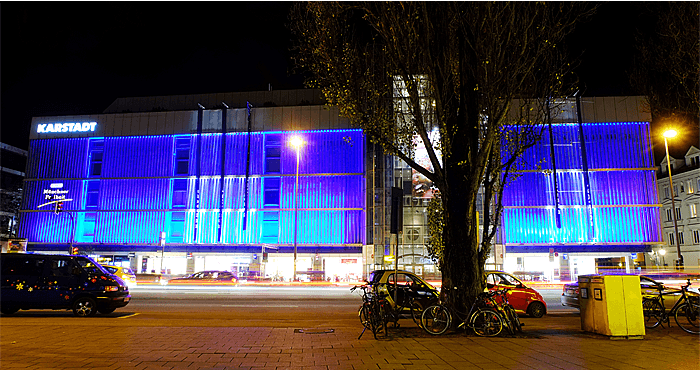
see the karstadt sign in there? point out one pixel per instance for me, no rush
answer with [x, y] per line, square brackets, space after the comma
[43, 128]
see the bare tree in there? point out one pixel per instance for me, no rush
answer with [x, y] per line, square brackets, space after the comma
[480, 74]
[667, 64]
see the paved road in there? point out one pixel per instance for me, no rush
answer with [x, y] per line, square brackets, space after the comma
[259, 329]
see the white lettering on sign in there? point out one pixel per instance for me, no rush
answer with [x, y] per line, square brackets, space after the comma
[66, 127]
[55, 194]
[56, 185]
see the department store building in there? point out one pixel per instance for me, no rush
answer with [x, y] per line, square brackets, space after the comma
[178, 184]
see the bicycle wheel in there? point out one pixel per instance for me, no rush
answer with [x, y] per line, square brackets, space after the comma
[486, 323]
[416, 312]
[436, 319]
[514, 319]
[653, 312]
[688, 317]
[379, 319]
[364, 315]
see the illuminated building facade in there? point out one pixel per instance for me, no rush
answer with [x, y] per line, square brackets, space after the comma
[586, 200]
[178, 184]
[167, 189]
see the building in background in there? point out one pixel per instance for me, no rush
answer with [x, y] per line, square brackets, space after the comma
[686, 188]
[587, 201]
[12, 165]
[178, 184]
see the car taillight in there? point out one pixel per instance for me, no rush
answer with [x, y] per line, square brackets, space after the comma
[111, 288]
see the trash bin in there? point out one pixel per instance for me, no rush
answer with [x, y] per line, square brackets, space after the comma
[611, 305]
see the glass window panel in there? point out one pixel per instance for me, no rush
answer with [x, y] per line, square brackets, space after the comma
[181, 167]
[274, 152]
[179, 199]
[93, 185]
[180, 185]
[182, 154]
[272, 165]
[271, 195]
[91, 200]
[96, 169]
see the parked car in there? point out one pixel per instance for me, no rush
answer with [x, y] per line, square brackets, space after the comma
[570, 294]
[524, 299]
[125, 273]
[212, 277]
[424, 294]
[649, 286]
[58, 282]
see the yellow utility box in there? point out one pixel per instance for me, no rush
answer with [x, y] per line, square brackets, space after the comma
[611, 305]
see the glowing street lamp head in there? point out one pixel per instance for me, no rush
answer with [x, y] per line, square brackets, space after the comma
[662, 252]
[296, 142]
[670, 133]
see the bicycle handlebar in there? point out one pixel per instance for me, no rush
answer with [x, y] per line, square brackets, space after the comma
[363, 287]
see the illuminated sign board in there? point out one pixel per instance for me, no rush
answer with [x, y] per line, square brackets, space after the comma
[43, 128]
[56, 192]
[422, 187]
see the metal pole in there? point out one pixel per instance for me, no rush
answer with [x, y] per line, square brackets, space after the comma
[396, 269]
[296, 207]
[673, 207]
[72, 231]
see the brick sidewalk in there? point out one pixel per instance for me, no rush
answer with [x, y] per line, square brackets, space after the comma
[554, 342]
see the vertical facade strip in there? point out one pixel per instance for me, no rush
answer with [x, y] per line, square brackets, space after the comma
[223, 172]
[198, 171]
[586, 180]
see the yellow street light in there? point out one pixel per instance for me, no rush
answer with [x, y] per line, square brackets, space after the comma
[667, 134]
[296, 142]
[670, 133]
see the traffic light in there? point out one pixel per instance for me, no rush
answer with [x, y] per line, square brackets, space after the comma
[59, 208]
[73, 250]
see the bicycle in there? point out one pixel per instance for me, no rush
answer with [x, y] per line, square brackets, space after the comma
[509, 316]
[409, 300]
[482, 317]
[686, 311]
[371, 312]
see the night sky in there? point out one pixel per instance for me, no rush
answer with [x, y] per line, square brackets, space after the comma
[60, 58]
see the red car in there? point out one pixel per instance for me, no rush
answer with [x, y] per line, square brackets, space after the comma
[524, 299]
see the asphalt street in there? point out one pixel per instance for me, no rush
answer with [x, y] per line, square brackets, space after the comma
[309, 328]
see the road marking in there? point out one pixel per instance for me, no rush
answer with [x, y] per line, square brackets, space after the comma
[124, 317]
[257, 305]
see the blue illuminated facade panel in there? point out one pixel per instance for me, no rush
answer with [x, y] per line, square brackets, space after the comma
[612, 205]
[126, 190]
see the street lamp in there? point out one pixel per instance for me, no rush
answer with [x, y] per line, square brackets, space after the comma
[667, 134]
[297, 143]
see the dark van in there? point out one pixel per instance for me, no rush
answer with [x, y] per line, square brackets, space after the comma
[58, 282]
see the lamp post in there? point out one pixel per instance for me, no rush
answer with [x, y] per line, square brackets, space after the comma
[667, 134]
[296, 142]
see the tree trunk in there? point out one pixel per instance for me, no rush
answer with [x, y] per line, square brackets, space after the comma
[463, 274]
